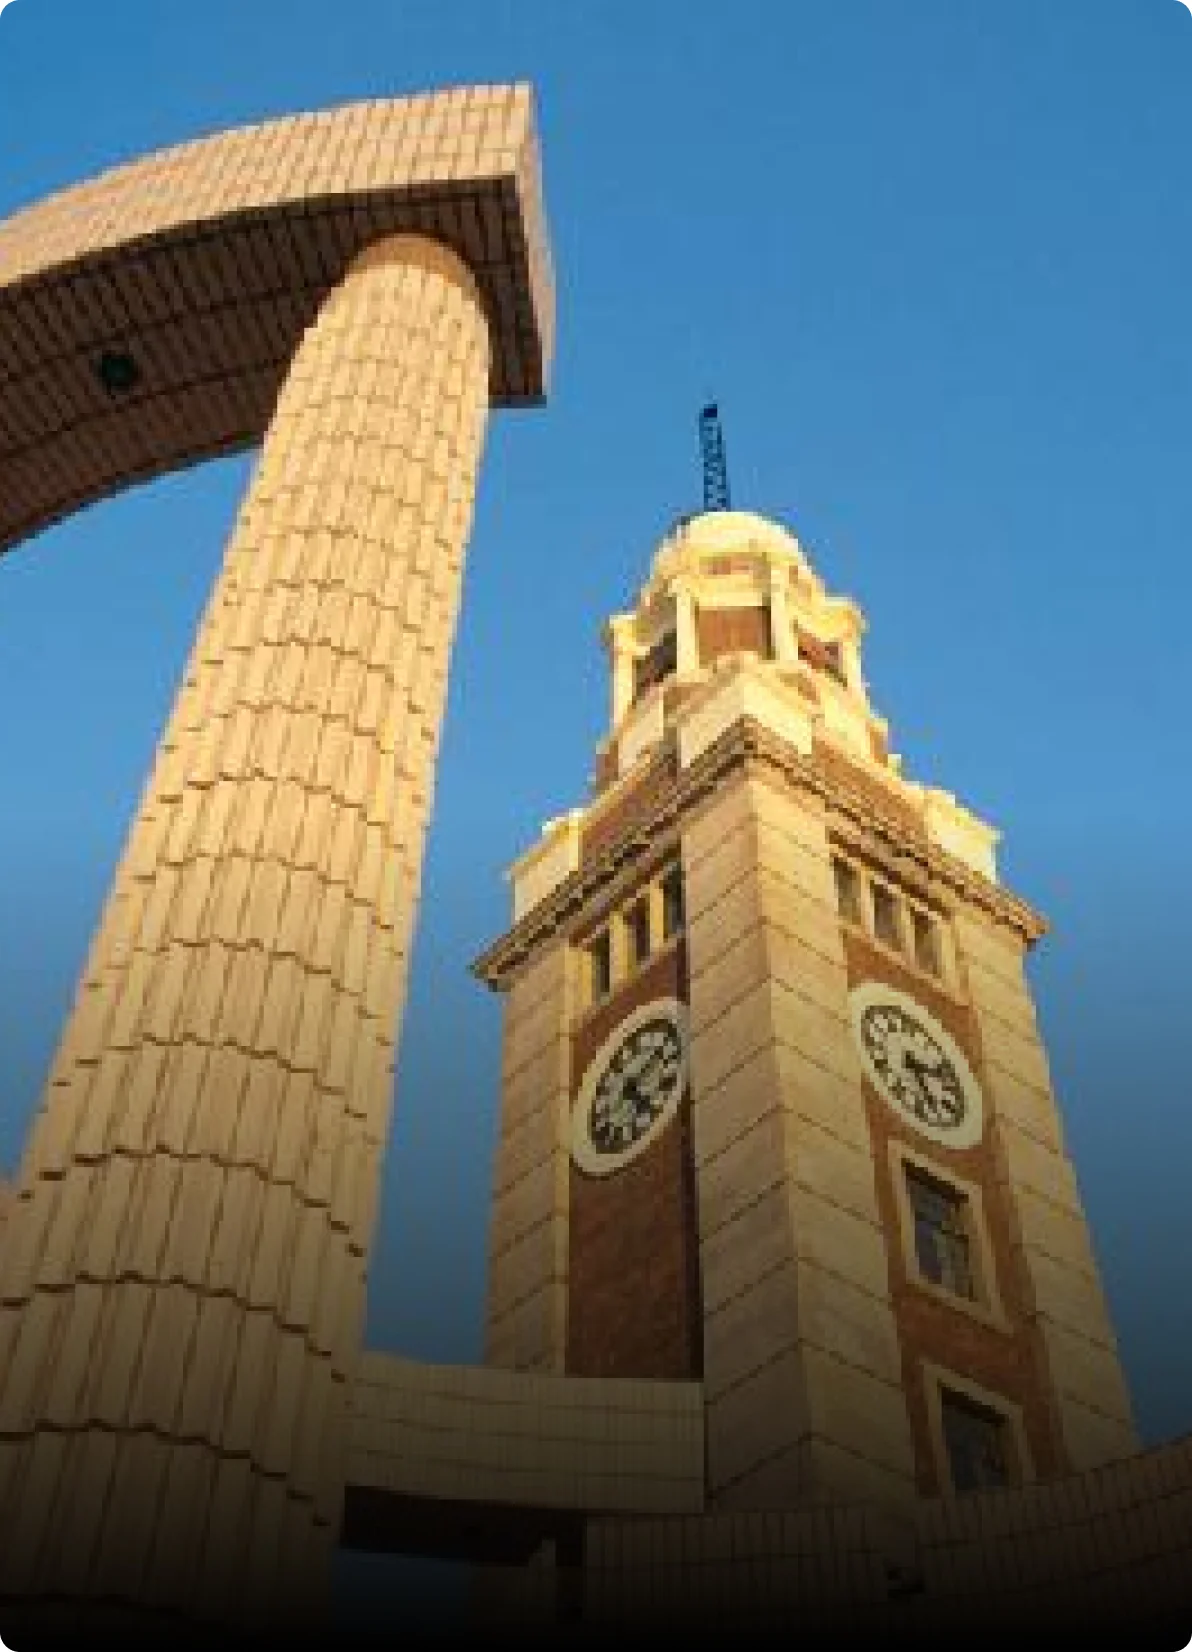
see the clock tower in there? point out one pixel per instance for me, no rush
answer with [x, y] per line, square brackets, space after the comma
[775, 1116]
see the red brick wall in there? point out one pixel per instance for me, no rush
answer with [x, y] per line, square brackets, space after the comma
[837, 767]
[1007, 1362]
[633, 1305]
[636, 803]
[730, 630]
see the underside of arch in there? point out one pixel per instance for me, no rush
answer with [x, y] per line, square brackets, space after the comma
[148, 316]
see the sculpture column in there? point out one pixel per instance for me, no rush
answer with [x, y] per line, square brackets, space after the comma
[182, 1273]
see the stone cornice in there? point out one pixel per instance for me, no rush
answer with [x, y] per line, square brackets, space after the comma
[747, 747]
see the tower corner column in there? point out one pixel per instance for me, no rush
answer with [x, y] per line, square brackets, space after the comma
[802, 1372]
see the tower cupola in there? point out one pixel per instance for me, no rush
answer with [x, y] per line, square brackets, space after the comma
[731, 593]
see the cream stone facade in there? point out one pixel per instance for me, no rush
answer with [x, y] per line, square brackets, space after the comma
[801, 1360]
[816, 876]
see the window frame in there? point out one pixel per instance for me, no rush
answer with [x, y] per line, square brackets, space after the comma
[600, 939]
[907, 912]
[986, 1305]
[940, 1381]
[615, 932]
[847, 874]
[672, 872]
[878, 887]
[924, 923]
[638, 909]
[950, 1228]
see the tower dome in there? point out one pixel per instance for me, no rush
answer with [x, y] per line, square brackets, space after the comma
[700, 540]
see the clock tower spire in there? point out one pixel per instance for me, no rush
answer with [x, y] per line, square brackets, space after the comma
[776, 1116]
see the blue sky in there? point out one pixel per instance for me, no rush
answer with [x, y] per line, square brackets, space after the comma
[935, 260]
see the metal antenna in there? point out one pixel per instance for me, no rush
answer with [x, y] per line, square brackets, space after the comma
[711, 443]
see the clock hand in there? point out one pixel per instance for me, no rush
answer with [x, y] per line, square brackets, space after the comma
[936, 1070]
[931, 1082]
[915, 1065]
[656, 1070]
[634, 1065]
[925, 1068]
[650, 1062]
[647, 1062]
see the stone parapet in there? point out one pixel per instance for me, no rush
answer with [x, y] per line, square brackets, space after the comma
[472, 1434]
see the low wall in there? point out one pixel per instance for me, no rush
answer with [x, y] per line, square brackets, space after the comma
[473, 1434]
[1104, 1554]
[585, 1498]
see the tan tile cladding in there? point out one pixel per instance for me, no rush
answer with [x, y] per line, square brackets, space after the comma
[804, 1571]
[185, 1257]
[1103, 1558]
[801, 1362]
[205, 263]
[507, 1437]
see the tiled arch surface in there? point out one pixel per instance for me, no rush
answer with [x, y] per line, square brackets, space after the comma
[205, 263]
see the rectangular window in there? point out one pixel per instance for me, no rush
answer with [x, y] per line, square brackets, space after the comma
[834, 660]
[977, 1441]
[848, 890]
[927, 942]
[673, 916]
[943, 1243]
[637, 931]
[824, 656]
[722, 631]
[655, 666]
[885, 916]
[600, 966]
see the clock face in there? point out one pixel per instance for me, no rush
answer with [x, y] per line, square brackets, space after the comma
[631, 1089]
[916, 1066]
